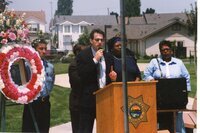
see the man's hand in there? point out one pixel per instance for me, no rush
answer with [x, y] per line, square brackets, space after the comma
[98, 54]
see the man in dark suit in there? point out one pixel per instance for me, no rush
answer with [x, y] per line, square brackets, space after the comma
[95, 70]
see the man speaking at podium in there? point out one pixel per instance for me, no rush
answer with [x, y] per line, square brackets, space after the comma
[95, 68]
[167, 66]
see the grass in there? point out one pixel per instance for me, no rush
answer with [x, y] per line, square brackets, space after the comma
[59, 110]
[60, 105]
[61, 67]
[193, 79]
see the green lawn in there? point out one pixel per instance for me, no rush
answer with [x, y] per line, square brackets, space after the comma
[61, 67]
[59, 110]
[193, 79]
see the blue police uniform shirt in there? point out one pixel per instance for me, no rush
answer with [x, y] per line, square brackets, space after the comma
[49, 79]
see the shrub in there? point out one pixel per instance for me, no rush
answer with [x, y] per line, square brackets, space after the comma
[67, 58]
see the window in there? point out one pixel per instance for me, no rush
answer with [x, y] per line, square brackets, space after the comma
[180, 43]
[67, 29]
[61, 28]
[75, 29]
[176, 27]
[67, 41]
[34, 27]
[83, 28]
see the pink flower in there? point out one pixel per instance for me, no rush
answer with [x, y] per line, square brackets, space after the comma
[13, 28]
[26, 31]
[20, 33]
[4, 41]
[23, 100]
[12, 36]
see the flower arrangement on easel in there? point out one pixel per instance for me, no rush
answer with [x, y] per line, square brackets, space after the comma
[13, 35]
[13, 28]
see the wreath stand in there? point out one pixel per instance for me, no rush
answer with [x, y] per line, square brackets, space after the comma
[3, 102]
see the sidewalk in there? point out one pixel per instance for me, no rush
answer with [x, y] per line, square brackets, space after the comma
[64, 77]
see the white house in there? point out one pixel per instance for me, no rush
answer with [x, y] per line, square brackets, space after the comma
[68, 28]
[36, 20]
[145, 32]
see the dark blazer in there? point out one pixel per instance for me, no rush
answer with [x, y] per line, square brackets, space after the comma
[75, 83]
[88, 73]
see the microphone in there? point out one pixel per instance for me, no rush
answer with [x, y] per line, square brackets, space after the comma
[100, 48]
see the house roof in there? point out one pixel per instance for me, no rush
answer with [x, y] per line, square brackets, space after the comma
[136, 27]
[92, 19]
[159, 18]
[39, 15]
[148, 24]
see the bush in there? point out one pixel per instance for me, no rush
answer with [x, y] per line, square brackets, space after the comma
[67, 58]
[150, 57]
[53, 58]
[146, 57]
[137, 56]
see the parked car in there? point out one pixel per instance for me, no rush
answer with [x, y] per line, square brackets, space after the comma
[52, 51]
[62, 52]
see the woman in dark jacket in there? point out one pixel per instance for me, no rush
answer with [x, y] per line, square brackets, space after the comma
[132, 70]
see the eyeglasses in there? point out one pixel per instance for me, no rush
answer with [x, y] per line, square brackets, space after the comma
[97, 40]
[167, 49]
[41, 48]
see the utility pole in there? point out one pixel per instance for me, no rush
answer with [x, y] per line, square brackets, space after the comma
[108, 11]
[51, 19]
[51, 8]
[124, 80]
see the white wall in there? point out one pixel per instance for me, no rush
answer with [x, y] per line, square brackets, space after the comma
[152, 43]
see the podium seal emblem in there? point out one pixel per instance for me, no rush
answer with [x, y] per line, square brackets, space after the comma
[137, 110]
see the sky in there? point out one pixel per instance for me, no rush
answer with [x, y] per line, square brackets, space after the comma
[100, 7]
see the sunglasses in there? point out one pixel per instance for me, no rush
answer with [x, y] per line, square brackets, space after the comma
[167, 49]
[97, 40]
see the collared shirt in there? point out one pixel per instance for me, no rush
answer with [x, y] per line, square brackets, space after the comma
[102, 70]
[173, 69]
[49, 79]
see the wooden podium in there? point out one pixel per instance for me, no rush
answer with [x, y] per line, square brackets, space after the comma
[141, 107]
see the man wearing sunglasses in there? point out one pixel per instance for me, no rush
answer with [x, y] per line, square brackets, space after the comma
[95, 70]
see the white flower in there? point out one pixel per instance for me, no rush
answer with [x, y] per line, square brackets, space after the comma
[1, 84]
[23, 89]
[22, 100]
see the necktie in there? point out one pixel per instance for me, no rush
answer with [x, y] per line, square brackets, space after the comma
[101, 73]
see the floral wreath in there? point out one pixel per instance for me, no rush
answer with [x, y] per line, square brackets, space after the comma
[25, 93]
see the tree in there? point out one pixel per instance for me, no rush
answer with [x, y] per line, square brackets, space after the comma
[3, 4]
[150, 10]
[132, 8]
[64, 7]
[84, 39]
[192, 26]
